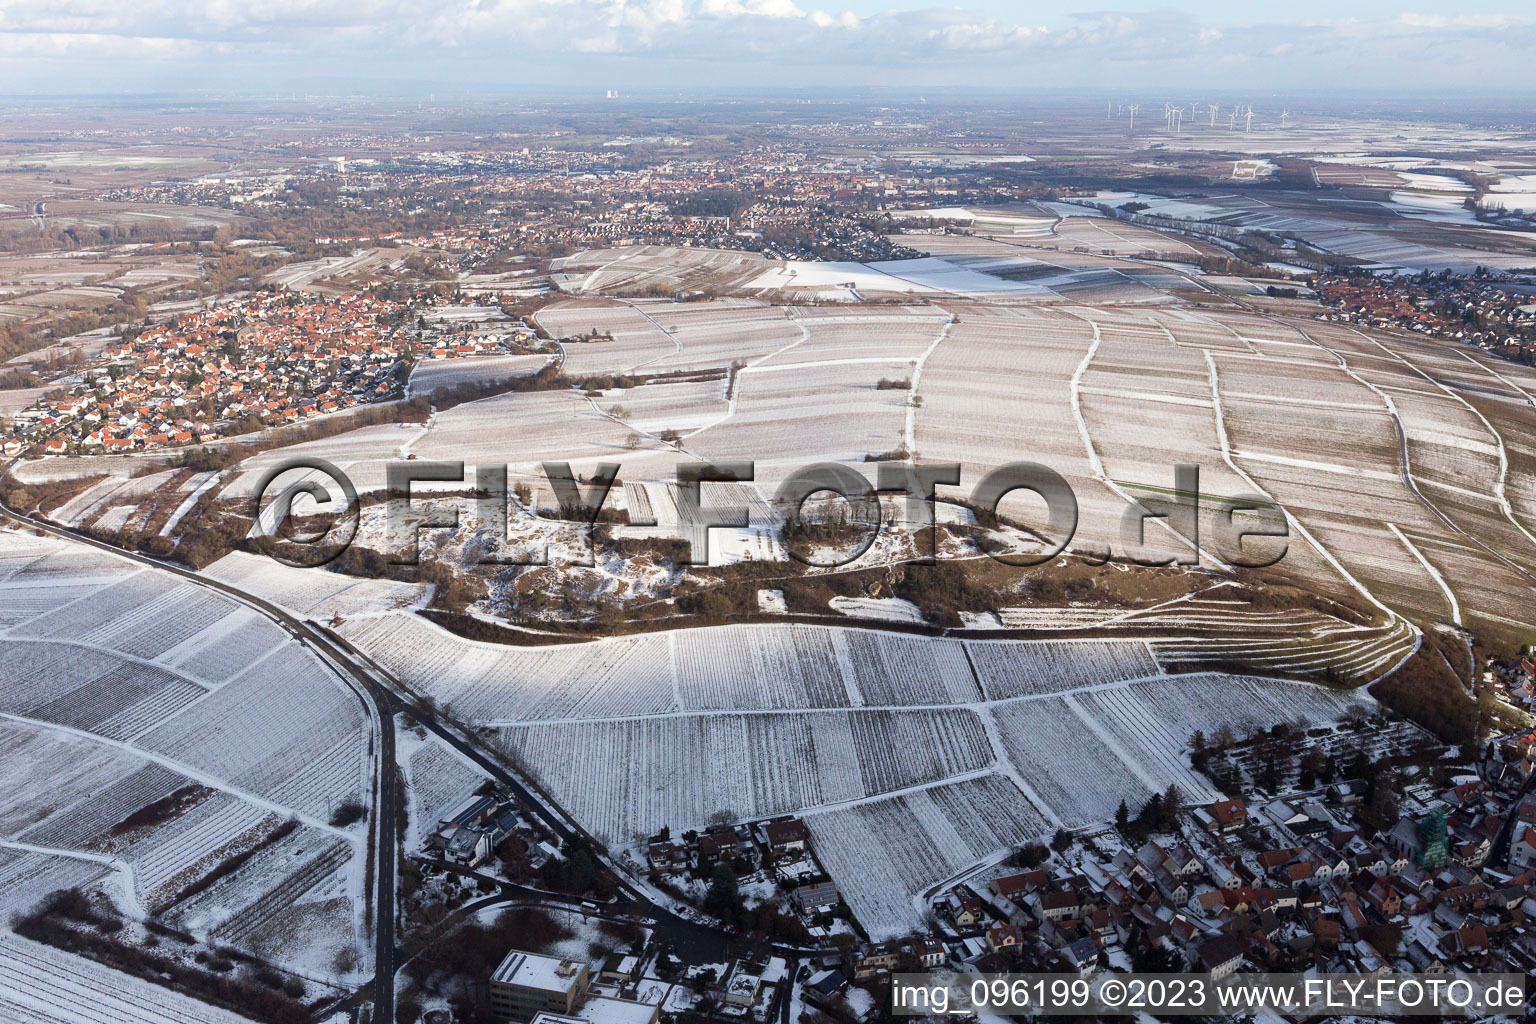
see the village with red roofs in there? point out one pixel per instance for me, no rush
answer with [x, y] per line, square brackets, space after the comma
[271, 358]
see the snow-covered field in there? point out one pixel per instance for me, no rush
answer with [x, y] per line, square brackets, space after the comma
[124, 688]
[883, 853]
[763, 763]
[1514, 192]
[43, 985]
[313, 593]
[1014, 669]
[974, 745]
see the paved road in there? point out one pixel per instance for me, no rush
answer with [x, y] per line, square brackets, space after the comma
[692, 942]
[383, 696]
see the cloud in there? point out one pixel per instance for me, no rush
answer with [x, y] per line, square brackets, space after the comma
[553, 40]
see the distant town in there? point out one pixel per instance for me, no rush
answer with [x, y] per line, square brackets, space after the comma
[236, 368]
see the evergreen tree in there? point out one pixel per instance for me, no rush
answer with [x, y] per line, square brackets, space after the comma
[1173, 802]
[724, 896]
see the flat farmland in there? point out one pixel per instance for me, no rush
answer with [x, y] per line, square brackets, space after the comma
[635, 341]
[524, 429]
[636, 268]
[832, 339]
[1001, 390]
[361, 454]
[313, 592]
[791, 414]
[722, 332]
[43, 985]
[434, 375]
[684, 406]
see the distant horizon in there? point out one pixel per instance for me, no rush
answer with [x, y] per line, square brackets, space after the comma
[1469, 104]
[175, 47]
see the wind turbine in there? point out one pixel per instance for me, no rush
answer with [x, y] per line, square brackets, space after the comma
[1249, 126]
[1284, 115]
[1232, 121]
[1213, 115]
[1109, 110]
[1133, 108]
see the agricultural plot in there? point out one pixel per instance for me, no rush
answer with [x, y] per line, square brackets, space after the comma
[71, 467]
[1024, 668]
[748, 668]
[1072, 768]
[164, 853]
[362, 454]
[1174, 707]
[36, 673]
[165, 727]
[1455, 459]
[637, 268]
[81, 824]
[285, 729]
[524, 429]
[1141, 439]
[757, 667]
[778, 763]
[223, 651]
[788, 414]
[1117, 238]
[26, 876]
[25, 601]
[885, 852]
[439, 781]
[43, 985]
[855, 337]
[433, 375]
[312, 592]
[722, 333]
[297, 878]
[999, 390]
[130, 599]
[683, 406]
[489, 682]
[170, 856]
[1336, 469]
[1354, 654]
[114, 490]
[177, 616]
[45, 769]
[119, 703]
[1492, 598]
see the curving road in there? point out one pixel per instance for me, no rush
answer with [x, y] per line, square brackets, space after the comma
[378, 703]
[383, 696]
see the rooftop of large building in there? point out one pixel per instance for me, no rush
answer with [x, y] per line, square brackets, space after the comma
[531, 970]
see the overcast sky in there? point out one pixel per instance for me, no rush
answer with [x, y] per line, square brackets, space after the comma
[639, 46]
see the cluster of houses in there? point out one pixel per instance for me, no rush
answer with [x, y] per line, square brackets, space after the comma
[469, 835]
[775, 841]
[1289, 887]
[780, 847]
[274, 357]
[1515, 681]
[1492, 310]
